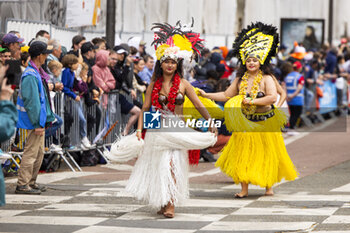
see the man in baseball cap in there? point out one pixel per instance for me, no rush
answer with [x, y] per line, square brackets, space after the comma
[88, 46]
[38, 47]
[120, 50]
[88, 53]
[12, 43]
[34, 113]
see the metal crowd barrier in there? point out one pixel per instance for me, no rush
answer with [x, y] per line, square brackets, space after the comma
[107, 129]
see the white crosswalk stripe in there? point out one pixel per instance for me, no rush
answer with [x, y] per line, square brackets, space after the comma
[108, 208]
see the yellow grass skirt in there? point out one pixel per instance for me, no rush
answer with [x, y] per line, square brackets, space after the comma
[258, 154]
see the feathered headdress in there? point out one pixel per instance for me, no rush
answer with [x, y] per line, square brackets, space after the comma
[257, 40]
[177, 42]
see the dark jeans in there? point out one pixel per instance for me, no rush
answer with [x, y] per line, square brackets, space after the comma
[295, 112]
[51, 131]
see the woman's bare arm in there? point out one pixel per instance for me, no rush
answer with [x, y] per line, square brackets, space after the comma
[223, 96]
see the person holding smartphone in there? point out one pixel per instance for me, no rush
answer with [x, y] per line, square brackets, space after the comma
[8, 119]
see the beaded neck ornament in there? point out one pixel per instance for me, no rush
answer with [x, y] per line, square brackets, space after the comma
[243, 87]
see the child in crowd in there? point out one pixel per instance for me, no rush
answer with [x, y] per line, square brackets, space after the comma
[92, 101]
[25, 57]
[70, 64]
[55, 70]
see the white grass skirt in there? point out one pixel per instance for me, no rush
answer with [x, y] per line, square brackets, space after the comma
[160, 174]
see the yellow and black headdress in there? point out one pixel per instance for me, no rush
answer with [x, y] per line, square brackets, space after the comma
[257, 40]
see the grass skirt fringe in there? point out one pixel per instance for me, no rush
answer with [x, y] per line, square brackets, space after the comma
[160, 174]
[256, 152]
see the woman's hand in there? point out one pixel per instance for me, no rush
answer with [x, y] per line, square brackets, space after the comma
[202, 93]
[5, 90]
[247, 101]
[133, 94]
[139, 135]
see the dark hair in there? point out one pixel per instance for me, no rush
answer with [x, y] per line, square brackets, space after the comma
[69, 60]
[158, 72]
[97, 41]
[133, 50]
[77, 39]
[24, 57]
[339, 58]
[137, 60]
[266, 69]
[147, 57]
[213, 74]
[286, 68]
[41, 33]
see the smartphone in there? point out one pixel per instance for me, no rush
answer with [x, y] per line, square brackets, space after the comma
[14, 72]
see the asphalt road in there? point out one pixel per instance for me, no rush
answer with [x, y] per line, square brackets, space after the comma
[94, 200]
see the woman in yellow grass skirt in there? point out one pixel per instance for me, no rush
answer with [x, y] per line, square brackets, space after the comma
[256, 153]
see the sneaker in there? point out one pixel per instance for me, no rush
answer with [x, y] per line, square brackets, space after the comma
[24, 189]
[84, 147]
[55, 148]
[40, 187]
[85, 142]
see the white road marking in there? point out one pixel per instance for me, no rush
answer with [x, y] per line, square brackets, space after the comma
[94, 229]
[118, 166]
[344, 188]
[206, 173]
[105, 192]
[257, 226]
[34, 199]
[216, 203]
[56, 176]
[11, 213]
[92, 207]
[286, 211]
[288, 197]
[78, 221]
[179, 217]
[343, 219]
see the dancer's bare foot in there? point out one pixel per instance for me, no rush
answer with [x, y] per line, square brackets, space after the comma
[269, 192]
[241, 195]
[161, 211]
[244, 191]
[169, 211]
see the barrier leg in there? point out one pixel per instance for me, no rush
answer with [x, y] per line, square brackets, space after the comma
[66, 161]
[102, 155]
[75, 163]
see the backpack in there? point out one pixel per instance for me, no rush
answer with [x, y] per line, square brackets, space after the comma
[51, 163]
[89, 158]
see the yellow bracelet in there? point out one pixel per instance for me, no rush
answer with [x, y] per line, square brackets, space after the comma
[139, 130]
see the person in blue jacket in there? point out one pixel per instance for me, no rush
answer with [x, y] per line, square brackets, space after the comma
[34, 114]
